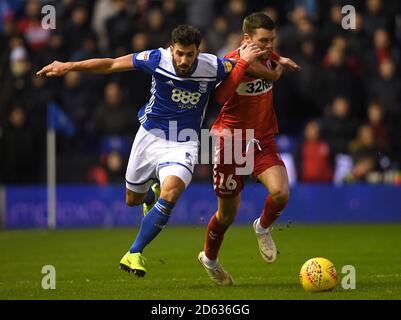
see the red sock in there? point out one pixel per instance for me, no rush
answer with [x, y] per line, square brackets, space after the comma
[214, 237]
[271, 212]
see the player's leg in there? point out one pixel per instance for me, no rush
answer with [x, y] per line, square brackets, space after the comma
[134, 198]
[140, 175]
[174, 177]
[147, 199]
[156, 219]
[151, 197]
[146, 194]
[217, 227]
[227, 186]
[275, 179]
[158, 216]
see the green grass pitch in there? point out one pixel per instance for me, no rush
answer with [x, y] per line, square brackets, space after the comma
[86, 263]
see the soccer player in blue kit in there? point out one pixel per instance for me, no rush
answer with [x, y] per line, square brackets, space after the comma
[182, 81]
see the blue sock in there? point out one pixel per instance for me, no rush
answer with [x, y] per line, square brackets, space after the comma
[150, 197]
[152, 224]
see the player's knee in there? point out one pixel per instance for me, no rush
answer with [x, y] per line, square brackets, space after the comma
[226, 219]
[171, 195]
[132, 199]
[227, 215]
[280, 195]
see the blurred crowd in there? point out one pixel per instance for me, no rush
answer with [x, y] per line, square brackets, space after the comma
[339, 118]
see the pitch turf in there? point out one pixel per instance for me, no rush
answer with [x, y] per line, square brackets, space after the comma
[86, 263]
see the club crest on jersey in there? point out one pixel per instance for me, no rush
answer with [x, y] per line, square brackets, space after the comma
[144, 56]
[227, 66]
[202, 86]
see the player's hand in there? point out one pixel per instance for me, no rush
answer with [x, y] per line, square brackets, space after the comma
[250, 52]
[278, 70]
[289, 63]
[55, 69]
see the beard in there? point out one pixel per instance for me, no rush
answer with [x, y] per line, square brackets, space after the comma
[182, 72]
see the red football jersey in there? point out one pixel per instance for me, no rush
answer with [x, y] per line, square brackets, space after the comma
[250, 107]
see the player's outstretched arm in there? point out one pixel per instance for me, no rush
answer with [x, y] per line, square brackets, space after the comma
[258, 70]
[104, 65]
[288, 63]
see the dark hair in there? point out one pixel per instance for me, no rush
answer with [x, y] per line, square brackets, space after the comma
[186, 35]
[257, 20]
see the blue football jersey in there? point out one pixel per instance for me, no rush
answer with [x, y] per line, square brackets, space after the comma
[176, 101]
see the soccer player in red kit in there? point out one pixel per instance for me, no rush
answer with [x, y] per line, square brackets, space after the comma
[251, 107]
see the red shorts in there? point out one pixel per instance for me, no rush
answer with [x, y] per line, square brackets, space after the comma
[227, 183]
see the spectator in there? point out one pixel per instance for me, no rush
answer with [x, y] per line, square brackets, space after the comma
[364, 145]
[113, 116]
[196, 13]
[232, 42]
[337, 79]
[288, 34]
[380, 52]
[306, 82]
[103, 10]
[140, 10]
[76, 29]
[18, 149]
[31, 26]
[173, 12]
[374, 18]
[376, 121]
[157, 33]
[314, 159]
[110, 170]
[139, 42]
[332, 26]
[36, 106]
[217, 35]
[77, 100]
[138, 80]
[365, 155]
[121, 26]
[235, 12]
[387, 89]
[17, 78]
[357, 38]
[310, 7]
[272, 13]
[338, 128]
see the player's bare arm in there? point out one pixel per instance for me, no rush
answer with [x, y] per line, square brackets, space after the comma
[288, 63]
[103, 65]
[258, 70]
[261, 71]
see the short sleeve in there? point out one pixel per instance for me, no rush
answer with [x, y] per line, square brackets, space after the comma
[224, 67]
[147, 61]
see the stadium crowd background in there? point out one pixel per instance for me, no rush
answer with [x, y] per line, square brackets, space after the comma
[339, 118]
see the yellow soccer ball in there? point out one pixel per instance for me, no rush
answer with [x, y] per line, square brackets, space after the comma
[318, 274]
